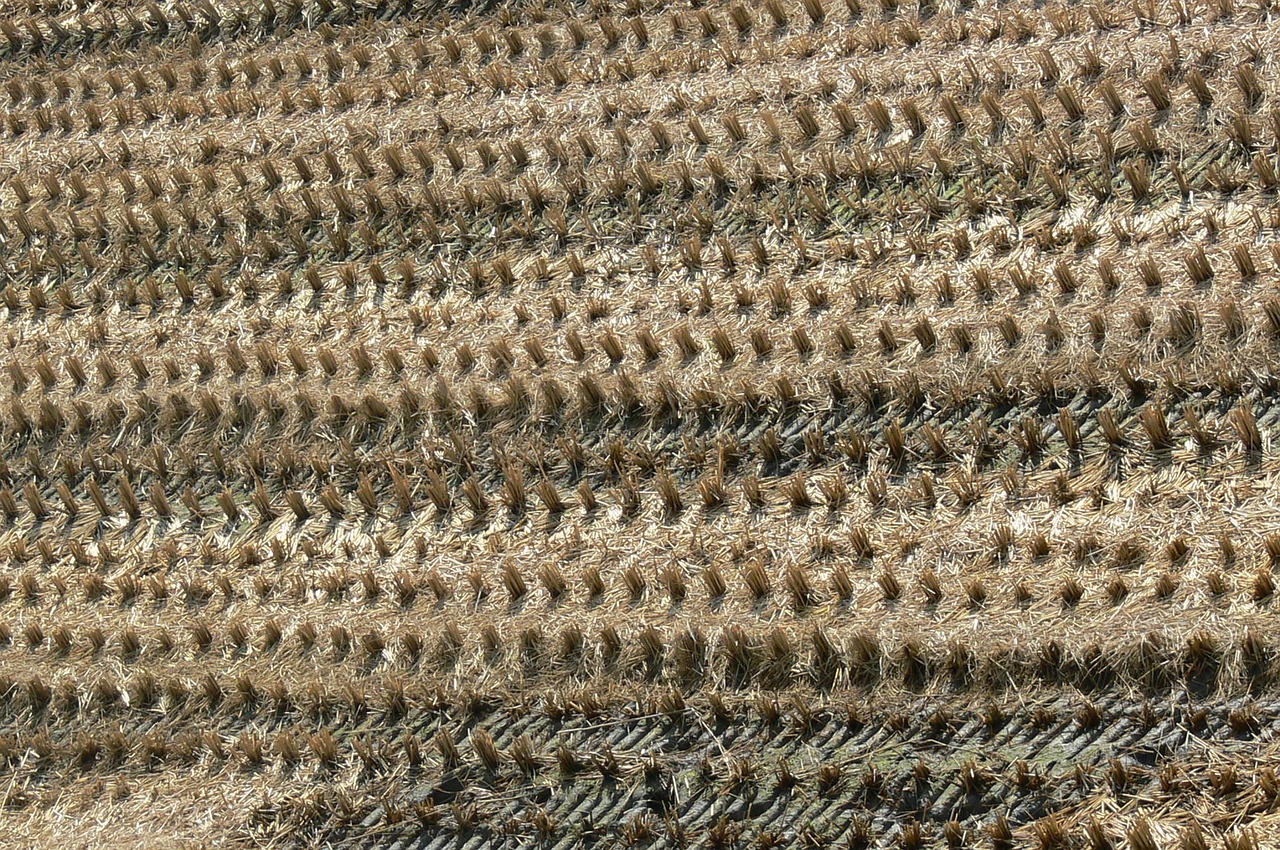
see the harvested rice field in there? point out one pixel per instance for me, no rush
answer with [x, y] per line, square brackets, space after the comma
[707, 423]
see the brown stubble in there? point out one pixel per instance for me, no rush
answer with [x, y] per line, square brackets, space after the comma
[887, 358]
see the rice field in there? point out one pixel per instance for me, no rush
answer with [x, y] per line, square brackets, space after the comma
[708, 423]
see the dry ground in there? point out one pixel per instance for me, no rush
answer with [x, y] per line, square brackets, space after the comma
[724, 424]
